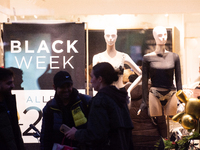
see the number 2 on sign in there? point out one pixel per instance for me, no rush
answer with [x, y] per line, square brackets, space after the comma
[26, 132]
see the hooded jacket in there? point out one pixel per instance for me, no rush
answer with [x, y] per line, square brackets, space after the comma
[55, 114]
[109, 124]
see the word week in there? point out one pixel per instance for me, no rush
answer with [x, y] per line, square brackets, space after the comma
[15, 47]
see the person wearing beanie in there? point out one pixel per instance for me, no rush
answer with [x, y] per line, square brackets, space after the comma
[68, 107]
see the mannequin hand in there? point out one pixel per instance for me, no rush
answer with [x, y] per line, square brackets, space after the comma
[129, 100]
[139, 111]
[142, 107]
[129, 96]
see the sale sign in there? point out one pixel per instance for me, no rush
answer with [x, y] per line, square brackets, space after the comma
[35, 53]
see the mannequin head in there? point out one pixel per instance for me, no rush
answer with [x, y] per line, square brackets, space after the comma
[160, 35]
[110, 35]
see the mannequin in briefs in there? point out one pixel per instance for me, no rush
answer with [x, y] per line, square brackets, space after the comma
[117, 59]
[161, 66]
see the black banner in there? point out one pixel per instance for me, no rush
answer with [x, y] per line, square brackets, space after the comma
[37, 51]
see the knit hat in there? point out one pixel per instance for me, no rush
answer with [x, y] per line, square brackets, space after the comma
[62, 77]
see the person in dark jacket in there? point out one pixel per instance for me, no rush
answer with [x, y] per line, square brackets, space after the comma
[10, 133]
[68, 107]
[109, 123]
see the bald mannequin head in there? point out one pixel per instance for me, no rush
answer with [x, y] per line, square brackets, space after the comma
[110, 35]
[160, 35]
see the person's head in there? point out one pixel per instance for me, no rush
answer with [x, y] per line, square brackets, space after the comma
[110, 35]
[160, 35]
[63, 84]
[6, 81]
[18, 77]
[103, 74]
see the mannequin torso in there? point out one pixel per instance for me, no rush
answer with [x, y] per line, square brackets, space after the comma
[117, 59]
[117, 62]
[160, 66]
[161, 69]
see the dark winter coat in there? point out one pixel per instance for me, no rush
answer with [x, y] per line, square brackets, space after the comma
[55, 114]
[109, 123]
[10, 133]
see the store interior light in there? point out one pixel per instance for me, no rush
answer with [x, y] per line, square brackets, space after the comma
[35, 16]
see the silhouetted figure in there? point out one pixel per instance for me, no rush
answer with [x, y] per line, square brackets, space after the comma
[18, 78]
[109, 124]
[45, 80]
[10, 134]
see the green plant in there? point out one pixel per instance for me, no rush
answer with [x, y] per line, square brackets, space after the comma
[182, 144]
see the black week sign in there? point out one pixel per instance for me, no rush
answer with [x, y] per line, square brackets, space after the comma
[43, 50]
[36, 52]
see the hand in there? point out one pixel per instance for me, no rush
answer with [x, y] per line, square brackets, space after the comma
[139, 111]
[129, 100]
[129, 96]
[142, 107]
[71, 133]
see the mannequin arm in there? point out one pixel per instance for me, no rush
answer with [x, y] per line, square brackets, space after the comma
[132, 64]
[134, 84]
[137, 70]
[145, 90]
[131, 87]
[178, 74]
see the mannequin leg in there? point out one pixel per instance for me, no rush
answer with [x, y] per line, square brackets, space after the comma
[155, 107]
[170, 108]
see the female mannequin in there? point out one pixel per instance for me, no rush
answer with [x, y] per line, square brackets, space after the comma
[160, 66]
[117, 59]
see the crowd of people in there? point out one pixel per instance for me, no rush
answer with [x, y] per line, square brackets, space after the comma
[117, 117]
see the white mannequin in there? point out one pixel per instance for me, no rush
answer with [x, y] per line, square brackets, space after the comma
[163, 60]
[116, 59]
